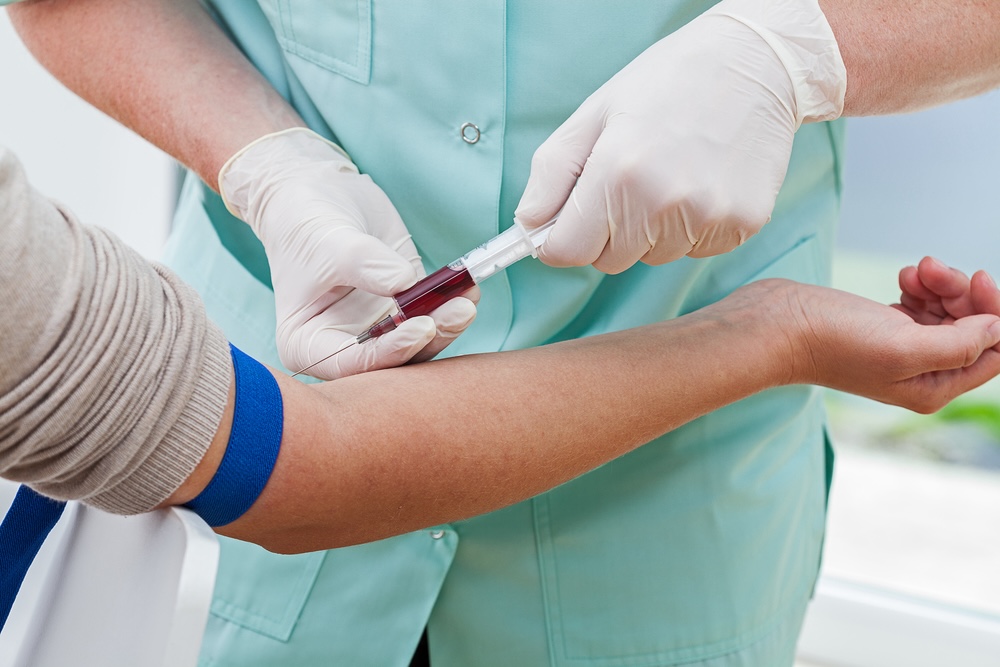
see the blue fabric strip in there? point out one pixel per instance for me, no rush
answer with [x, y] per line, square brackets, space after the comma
[258, 422]
[254, 442]
[28, 522]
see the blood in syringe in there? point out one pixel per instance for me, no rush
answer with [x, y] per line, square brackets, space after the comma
[440, 287]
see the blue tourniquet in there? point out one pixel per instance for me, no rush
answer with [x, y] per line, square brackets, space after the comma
[258, 421]
[254, 441]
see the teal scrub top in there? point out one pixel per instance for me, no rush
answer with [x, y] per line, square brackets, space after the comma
[701, 547]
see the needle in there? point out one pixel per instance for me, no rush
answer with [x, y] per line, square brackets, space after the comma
[452, 280]
[349, 343]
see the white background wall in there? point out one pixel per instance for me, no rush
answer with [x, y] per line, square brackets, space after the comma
[73, 153]
[926, 183]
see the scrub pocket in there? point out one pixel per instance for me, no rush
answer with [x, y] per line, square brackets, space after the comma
[333, 34]
[270, 604]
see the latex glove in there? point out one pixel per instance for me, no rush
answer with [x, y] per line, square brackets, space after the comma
[337, 249]
[683, 151]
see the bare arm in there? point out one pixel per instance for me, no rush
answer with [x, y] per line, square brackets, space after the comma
[901, 55]
[397, 450]
[904, 55]
[160, 67]
[386, 452]
[126, 411]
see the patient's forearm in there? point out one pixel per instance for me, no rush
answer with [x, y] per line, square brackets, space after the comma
[116, 389]
[374, 455]
[382, 453]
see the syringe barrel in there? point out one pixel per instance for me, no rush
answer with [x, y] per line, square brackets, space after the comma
[428, 293]
[461, 275]
[474, 267]
[502, 250]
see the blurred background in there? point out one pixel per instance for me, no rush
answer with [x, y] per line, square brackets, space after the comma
[75, 154]
[925, 183]
[914, 527]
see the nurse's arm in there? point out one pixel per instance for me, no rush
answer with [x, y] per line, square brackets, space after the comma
[164, 69]
[370, 456]
[904, 55]
[160, 67]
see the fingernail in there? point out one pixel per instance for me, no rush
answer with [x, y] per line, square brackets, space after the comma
[990, 278]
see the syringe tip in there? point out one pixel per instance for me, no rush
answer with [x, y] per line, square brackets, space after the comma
[383, 326]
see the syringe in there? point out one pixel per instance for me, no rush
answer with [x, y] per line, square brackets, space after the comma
[453, 280]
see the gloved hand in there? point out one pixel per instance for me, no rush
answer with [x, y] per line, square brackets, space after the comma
[683, 151]
[337, 250]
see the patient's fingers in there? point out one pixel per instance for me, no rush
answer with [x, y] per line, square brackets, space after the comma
[985, 295]
[943, 280]
[909, 283]
[950, 284]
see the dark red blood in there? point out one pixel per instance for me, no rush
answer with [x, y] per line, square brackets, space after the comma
[440, 287]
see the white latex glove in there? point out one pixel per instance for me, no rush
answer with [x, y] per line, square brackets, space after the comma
[337, 250]
[683, 151]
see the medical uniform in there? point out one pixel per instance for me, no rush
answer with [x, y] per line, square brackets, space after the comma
[699, 548]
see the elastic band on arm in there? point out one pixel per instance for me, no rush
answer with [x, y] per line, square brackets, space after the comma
[254, 442]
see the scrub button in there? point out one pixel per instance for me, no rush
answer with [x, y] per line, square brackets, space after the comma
[470, 133]
[437, 534]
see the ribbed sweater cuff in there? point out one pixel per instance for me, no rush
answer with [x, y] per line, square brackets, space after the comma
[174, 458]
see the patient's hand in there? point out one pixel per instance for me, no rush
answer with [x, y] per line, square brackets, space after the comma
[919, 355]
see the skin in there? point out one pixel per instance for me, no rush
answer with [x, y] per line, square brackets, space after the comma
[905, 55]
[933, 290]
[204, 108]
[328, 491]
[901, 55]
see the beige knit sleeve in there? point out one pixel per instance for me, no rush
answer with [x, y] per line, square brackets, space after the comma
[112, 379]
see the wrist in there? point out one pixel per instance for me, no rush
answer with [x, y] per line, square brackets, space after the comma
[759, 339]
[792, 333]
[774, 322]
[803, 41]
